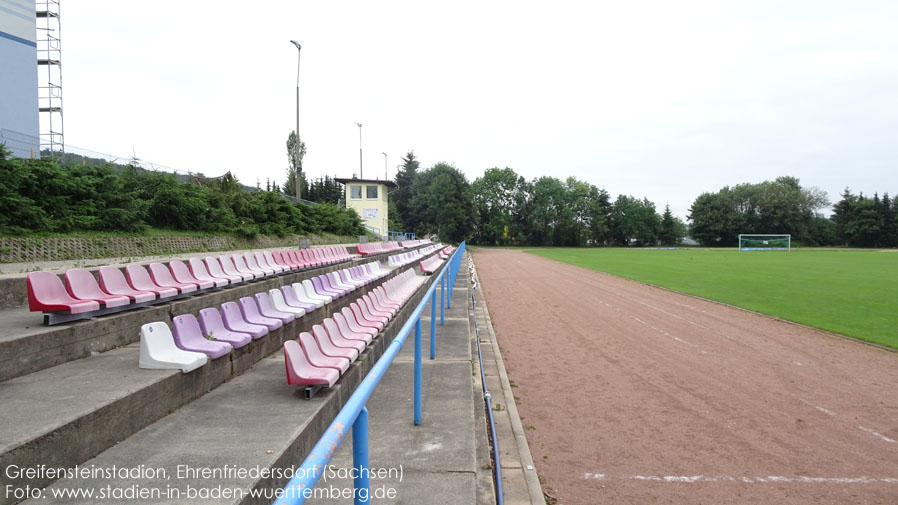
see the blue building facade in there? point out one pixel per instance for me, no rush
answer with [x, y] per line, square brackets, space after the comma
[19, 117]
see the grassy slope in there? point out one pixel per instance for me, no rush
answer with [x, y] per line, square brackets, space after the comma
[854, 293]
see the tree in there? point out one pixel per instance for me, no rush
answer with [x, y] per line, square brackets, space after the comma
[405, 180]
[294, 164]
[715, 220]
[494, 201]
[441, 203]
[672, 230]
[634, 221]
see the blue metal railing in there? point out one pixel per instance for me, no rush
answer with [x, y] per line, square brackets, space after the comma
[500, 495]
[400, 235]
[354, 413]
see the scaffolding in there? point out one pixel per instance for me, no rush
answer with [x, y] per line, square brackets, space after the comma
[49, 64]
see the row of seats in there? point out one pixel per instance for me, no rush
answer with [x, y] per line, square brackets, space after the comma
[431, 264]
[319, 358]
[402, 259]
[413, 243]
[216, 333]
[83, 296]
[446, 252]
[377, 248]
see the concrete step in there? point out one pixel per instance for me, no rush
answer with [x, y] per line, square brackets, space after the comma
[253, 422]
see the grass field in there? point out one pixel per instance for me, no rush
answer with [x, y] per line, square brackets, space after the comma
[854, 293]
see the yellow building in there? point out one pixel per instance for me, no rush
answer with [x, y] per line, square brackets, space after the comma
[369, 198]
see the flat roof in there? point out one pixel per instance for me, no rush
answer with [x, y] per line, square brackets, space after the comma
[389, 184]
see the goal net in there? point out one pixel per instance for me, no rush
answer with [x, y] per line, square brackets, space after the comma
[753, 242]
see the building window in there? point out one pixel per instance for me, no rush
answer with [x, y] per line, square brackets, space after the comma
[355, 192]
[371, 192]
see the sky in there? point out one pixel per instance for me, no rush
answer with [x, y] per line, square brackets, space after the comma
[656, 99]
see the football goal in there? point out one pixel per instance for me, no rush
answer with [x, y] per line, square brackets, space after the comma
[755, 242]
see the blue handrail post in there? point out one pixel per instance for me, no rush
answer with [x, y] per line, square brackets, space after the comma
[360, 460]
[433, 325]
[418, 371]
[449, 286]
[443, 298]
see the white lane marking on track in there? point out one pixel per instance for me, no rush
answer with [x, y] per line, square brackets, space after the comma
[659, 330]
[825, 411]
[681, 318]
[801, 479]
[877, 434]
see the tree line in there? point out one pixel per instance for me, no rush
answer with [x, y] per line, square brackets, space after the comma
[42, 195]
[503, 208]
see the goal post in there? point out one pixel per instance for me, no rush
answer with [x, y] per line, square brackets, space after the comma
[758, 242]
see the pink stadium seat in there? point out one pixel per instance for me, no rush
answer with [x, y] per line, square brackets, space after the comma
[81, 284]
[264, 264]
[229, 269]
[333, 331]
[300, 372]
[329, 348]
[211, 270]
[161, 275]
[354, 324]
[245, 271]
[343, 326]
[140, 279]
[254, 266]
[113, 281]
[46, 293]
[317, 358]
[182, 274]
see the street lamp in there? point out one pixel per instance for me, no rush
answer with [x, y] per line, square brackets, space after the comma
[296, 150]
[361, 175]
[385, 167]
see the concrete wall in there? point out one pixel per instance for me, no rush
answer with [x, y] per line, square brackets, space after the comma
[19, 121]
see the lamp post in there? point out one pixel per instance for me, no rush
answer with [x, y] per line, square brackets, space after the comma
[296, 149]
[385, 167]
[361, 175]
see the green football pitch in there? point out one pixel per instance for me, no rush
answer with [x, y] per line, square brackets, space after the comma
[853, 293]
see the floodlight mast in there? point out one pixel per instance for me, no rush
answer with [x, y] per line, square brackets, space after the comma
[361, 175]
[297, 170]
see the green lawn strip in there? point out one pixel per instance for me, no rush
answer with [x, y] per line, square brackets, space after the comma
[853, 293]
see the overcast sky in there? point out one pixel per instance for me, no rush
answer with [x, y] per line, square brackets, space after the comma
[649, 98]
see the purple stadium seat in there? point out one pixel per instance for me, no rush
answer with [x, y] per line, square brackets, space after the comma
[113, 281]
[212, 325]
[81, 284]
[251, 314]
[289, 293]
[233, 320]
[189, 337]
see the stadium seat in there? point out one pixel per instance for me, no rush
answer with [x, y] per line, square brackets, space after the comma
[230, 268]
[364, 316]
[212, 326]
[309, 289]
[278, 259]
[330, 348]
[199, 270]
[140, 279]
[330, 326]
[262, 261]
[317, 358]
[340, 320]
[292, 299]
[189, 337]
[254, 266]
[113, 281]
[46, 293]
[81, 285]
[266, 308]
[251, 314]
[243, 269]
[300, 372]
[355, 325]
[322, 289]
[159, 352]
[182, 274]
[233, 320]
[161, 275]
